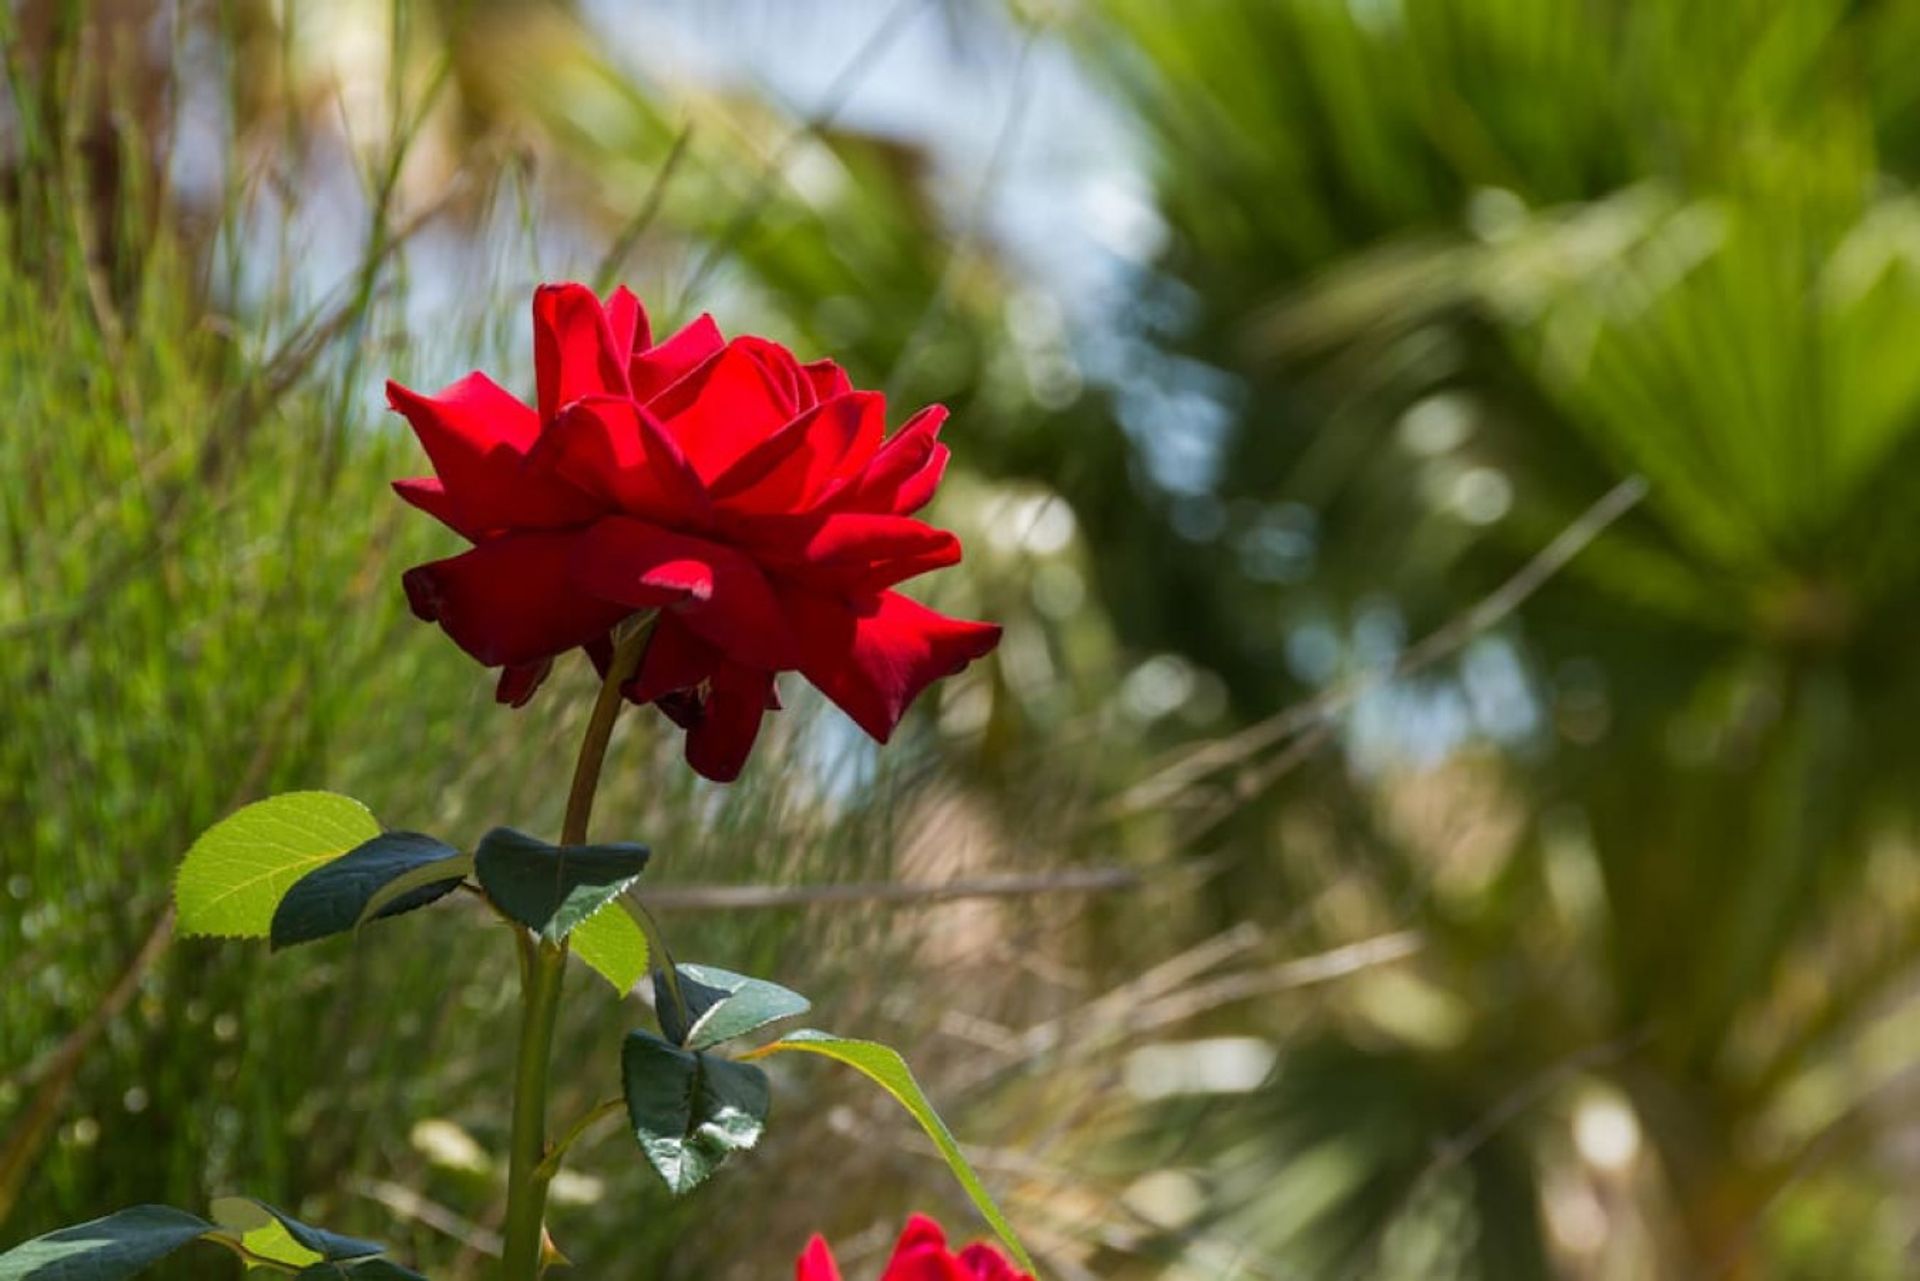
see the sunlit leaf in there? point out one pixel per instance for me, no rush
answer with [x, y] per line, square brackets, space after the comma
[249, 1225]
[275, 1234]
[613, 945]
[234, 876]
[884, 1066]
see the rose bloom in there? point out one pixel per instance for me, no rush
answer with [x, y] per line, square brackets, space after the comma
[921, 1255]
[753, 500]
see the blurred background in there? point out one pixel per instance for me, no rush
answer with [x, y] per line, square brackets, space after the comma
[1447, 469]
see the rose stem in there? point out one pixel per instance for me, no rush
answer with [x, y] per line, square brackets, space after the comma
[542, 966]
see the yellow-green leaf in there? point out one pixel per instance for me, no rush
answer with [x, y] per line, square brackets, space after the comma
[259, 1233]
[883, 1065]
[236, 873]
[274, 1234]
[613, 945]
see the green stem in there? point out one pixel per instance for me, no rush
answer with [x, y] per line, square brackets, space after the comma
[602, 1110]
[593, 748]
[542, 967]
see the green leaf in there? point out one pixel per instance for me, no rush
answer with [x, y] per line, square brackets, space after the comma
[337, 896]
[234, 876]
[720, 1005]
[884, 1066]
[105, 1249]
[125, 1244]
[690, 1111]
[249, 1225]
[277, 1235]
[553, 888]
[452, 870]
[364, 1270]
[613, 945]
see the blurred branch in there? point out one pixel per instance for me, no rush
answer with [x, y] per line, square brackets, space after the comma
[1457, 1148]
[832, 102]
[970, 231]
[729, 898]
[407, 1204]
[1160, 998]
[607, 274]
[291, 361]
[1315, 714]
[57, 1072]
[1287, 976]
[1863, 1119]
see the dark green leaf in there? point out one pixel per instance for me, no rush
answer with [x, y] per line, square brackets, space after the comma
[364, 1270]
[553, 888]
[690, 1111]
[720, 1005]
[106, 1249]
[883, 1065]
[332, 898]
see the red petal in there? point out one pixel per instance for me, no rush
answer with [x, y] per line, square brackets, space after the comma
[676, 659]
[783, 372]
[850, 553]
[874, 658]
[736, 702]
[510, 601]
[628, 321]
[816, 1262]
[612, 448]
[790, 469]
[904, 472]
[658, 368]
[575, 352]
[921, 1254]
[519, 682]
[917, 490]
[981, 1262]
[477, 434]
[431, 497]
[921, 1232]
[717, 592]
[722, 409]
[828, 379]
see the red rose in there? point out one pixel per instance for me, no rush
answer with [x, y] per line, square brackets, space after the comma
[749, 498]
[921, 1255]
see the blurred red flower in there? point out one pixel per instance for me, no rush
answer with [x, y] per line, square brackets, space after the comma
[921, 1255]
[750, 498]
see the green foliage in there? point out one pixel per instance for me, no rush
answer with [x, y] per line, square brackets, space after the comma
[883, 1065]
[199, 602]
[235, 875]
[363, 1270]
[1542, 249]
[551, 889]
[613, 945]
[708, 1005]
[274, 1234]
[127, 1243]
[115, 1246]
[393, 873]
[690, 1111]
